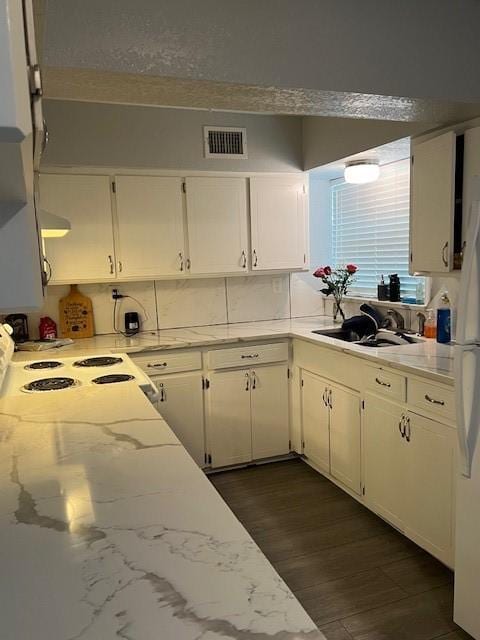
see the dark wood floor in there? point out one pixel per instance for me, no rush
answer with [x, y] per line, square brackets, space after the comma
[356, 576]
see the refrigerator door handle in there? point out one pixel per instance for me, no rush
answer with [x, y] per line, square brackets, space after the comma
[467, 379]
[467, 326]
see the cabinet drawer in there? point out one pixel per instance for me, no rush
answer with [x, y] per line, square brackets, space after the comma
[169, 362]
[386, 383]
[431, 397]
[247, 356]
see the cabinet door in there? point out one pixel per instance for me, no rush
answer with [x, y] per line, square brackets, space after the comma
[432, 205]
[217, 224]
[345, 420]
[315, 420]
[269, 398]
[384, 456]
[429, 486]
[278, 218]
[150, 235]
[86, 252]
[181, 405]
[229, 423]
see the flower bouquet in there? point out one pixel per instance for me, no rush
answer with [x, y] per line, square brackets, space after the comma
[336, 283]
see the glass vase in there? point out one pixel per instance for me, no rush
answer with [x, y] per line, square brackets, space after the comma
[338, 314]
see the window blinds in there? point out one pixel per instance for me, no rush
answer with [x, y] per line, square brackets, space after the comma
[370, 225]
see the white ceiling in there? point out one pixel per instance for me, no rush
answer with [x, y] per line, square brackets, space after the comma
[391, 152]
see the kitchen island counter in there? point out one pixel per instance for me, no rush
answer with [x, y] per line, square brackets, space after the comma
[109, 530]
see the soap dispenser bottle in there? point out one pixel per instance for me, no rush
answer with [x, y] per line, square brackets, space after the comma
[382, 290]
[444, 319]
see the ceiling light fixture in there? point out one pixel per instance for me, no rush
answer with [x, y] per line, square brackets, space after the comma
[53, 226]
[361, 171]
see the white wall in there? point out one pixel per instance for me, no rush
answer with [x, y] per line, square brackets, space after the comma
[90, 134]
[414, 49]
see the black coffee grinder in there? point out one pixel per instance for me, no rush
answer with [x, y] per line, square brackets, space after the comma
[132, 323]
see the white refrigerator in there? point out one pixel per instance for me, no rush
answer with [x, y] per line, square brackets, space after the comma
[467, 389]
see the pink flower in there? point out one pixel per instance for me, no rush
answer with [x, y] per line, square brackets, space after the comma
[351, 268]
[319, 273]
[328, 270]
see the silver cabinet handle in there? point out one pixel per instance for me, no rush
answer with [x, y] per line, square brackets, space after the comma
[158, 365]
[249, 355]
[255, 258]
[120, 266]
[247, 382]
[408, 429]
[382, 383]
[329, 399]
[401, 426]
[243, 258]
[110, 260]
[163, 395]
[188, 264]
[324, 397]
[254, 380]
[444, 254]
[182, 263]
[433, 401]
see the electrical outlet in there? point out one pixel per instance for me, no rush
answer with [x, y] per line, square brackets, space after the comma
[116, 295]
[277, 284]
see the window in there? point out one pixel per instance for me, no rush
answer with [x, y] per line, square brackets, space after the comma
[370, 225]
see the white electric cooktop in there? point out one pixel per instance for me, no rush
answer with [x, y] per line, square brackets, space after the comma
[59, 375]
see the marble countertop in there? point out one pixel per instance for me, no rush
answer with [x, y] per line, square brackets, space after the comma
[429, 358]
[109, 530]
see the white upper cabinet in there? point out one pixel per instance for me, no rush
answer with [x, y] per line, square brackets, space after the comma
[433, 205]
[86, 253]
[149, 235]
[217, 225]
[279, 222]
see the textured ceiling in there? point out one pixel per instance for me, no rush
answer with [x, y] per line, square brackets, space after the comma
[124, 88]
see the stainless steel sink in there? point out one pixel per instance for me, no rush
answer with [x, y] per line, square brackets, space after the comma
[382, 338]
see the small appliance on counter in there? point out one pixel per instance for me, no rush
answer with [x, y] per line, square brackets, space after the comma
[132, 323]
[19, 324]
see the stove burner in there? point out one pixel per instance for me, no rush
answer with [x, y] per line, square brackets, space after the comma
[50, 384]
[113, 377]
[99, 361]
[44, 364]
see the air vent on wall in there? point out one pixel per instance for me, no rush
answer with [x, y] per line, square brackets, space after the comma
[225, 142]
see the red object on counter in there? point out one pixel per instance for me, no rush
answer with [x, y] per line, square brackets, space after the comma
[47, 328]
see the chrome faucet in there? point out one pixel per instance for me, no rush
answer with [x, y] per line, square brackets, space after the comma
[394, 320]
[421, 323]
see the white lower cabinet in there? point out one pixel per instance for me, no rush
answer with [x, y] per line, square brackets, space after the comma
[269, 404]
[409, 474]
[331, 422]
[248, 414]
[180, 403]
[229, 424]
[315, 418]
[383, 458]
[345, 436]
[430, 486]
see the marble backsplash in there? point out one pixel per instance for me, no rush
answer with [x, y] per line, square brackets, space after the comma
[171, 304]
